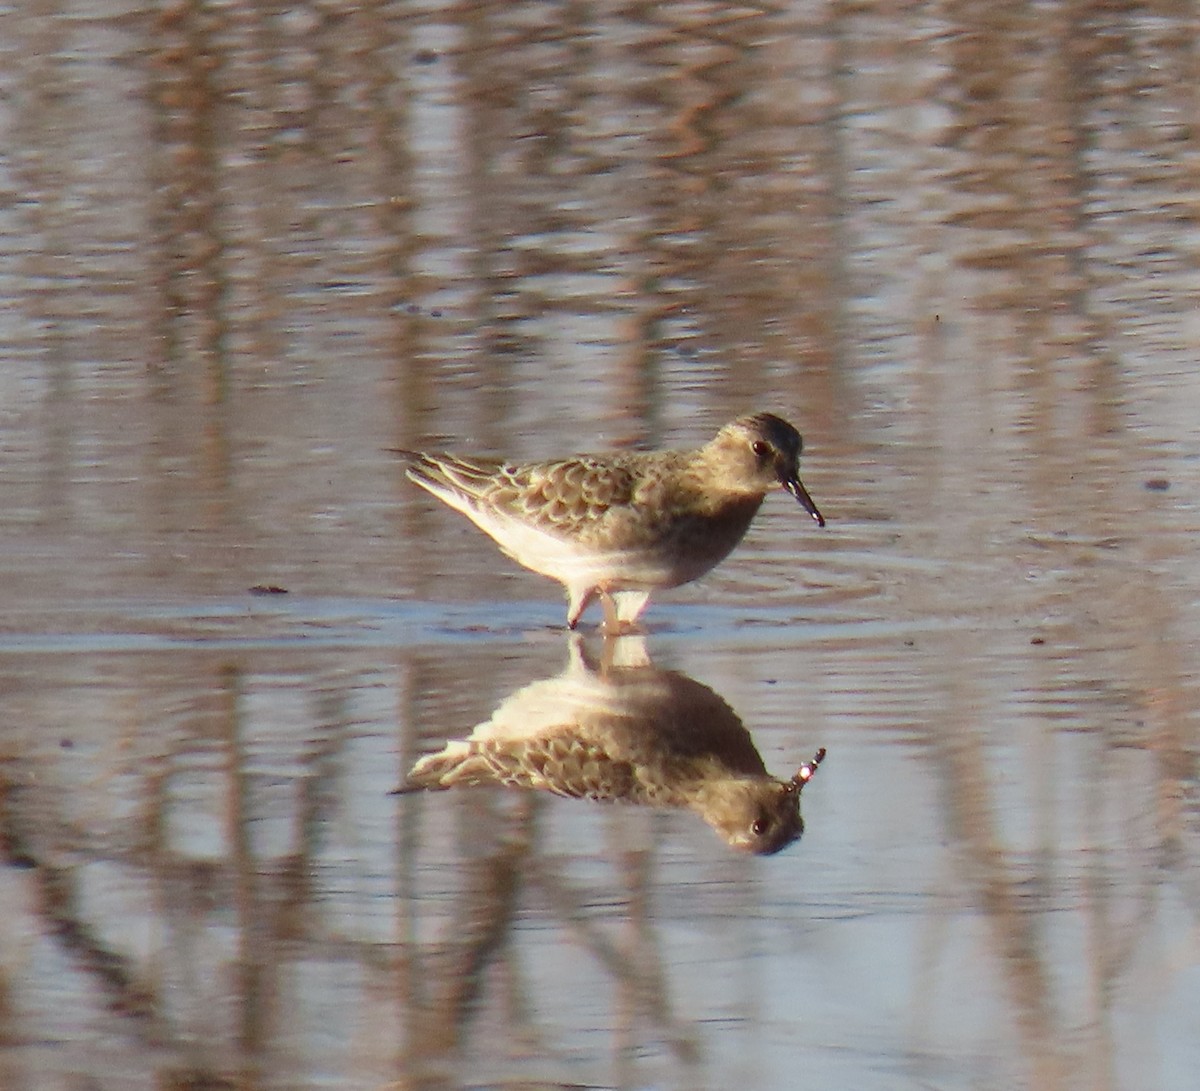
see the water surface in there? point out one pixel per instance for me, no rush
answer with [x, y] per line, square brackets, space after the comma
[248, 249]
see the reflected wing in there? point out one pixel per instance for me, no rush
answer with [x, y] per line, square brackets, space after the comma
[564, 764]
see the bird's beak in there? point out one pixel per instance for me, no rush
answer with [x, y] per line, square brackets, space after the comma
[806, 771]
[793, 484]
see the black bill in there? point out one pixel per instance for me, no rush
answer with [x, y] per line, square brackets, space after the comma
[796, 487]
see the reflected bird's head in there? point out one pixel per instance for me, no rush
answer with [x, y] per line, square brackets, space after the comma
[760, 815]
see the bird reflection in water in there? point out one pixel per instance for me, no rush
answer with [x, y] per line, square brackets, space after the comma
[622, 729]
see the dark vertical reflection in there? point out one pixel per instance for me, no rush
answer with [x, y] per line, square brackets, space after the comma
[1013, 927]
[255, 957]
[43, 180]
[390, 66]
[190, 254]
[410, 994]
[491, 92]
[479, 930]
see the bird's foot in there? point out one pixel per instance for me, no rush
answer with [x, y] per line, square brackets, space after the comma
[614, 630]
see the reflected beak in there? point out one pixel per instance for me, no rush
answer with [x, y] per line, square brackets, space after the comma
[806, 771]
[795, 486]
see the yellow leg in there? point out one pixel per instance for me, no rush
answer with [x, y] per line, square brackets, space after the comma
[612, 623]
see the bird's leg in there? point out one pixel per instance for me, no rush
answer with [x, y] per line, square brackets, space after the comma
[612, 625]
[577, 602]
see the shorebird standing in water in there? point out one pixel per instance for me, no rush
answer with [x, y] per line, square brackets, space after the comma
[619, 527]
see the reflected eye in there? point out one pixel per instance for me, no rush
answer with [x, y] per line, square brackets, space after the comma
[759, 827]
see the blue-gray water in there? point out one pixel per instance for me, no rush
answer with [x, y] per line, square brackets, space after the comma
[247, 248]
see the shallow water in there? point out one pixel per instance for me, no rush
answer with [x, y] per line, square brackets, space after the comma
[246, 250]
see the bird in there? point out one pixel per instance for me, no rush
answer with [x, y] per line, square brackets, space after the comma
[623, 730]
[618, 527]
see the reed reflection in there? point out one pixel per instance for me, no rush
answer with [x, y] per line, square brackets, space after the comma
[620, 729]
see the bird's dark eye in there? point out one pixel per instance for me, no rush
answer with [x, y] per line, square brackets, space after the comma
[759, 827]
[761, 449]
